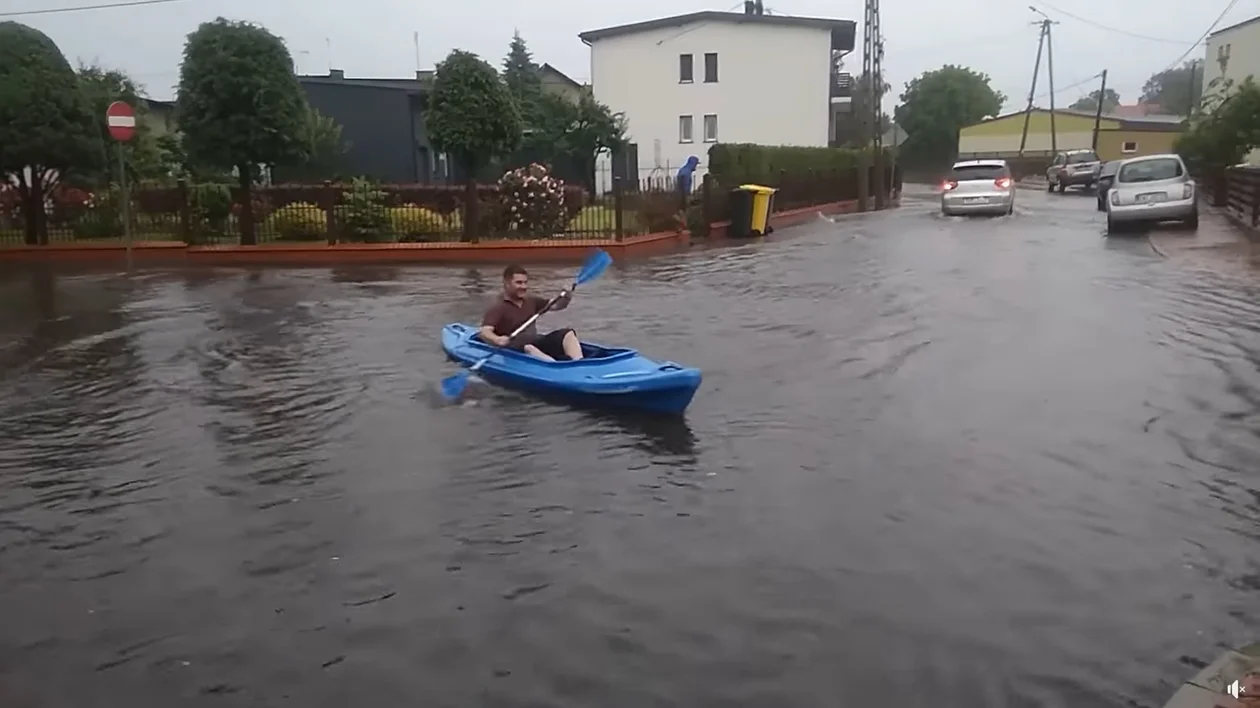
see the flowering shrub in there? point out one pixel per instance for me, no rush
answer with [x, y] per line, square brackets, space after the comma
[10, 201]
[533, 200]
[68, 204]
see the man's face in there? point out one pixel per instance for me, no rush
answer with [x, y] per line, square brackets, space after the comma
[516, 286]
[1250, 687]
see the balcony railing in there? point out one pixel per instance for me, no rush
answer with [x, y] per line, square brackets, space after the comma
[842, 84]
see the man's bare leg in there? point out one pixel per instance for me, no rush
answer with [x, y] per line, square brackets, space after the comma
[572, 347]
[537, 353]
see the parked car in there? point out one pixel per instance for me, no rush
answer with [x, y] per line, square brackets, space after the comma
[1106, 176]
[1072, 168]
[978, 187]
[1151, 189]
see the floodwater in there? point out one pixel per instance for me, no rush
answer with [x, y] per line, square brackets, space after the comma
[934, 462]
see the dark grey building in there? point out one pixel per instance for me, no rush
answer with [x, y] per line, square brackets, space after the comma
[382, 122]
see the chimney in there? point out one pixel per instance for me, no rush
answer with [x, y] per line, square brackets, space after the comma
[750, 7]
[338, 74]
[758, 8]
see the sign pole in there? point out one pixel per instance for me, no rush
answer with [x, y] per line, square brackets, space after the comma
[125, 191]
[120, 119]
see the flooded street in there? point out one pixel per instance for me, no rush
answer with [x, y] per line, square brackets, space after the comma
[945, 462]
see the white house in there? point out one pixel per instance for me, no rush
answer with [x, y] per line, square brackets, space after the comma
[1233, 54]
[684, 83]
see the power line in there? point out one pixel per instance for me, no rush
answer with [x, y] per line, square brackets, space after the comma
[1206, 32]
[1069, 87]
[81, 8]
[1108, 28]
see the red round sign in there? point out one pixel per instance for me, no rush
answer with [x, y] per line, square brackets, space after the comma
[121, 119]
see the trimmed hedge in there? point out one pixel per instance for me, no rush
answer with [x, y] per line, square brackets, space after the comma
[743, 163]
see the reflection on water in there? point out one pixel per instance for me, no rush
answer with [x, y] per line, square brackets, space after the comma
[1021, 468]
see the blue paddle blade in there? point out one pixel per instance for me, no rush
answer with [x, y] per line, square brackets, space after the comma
[594, 266]
[453, 386]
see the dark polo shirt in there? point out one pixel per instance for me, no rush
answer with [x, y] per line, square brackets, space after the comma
[505, 316]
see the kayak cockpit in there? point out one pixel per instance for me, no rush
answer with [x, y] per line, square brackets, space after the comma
[592, 353]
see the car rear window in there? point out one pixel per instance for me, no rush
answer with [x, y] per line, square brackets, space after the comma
[1151, 170]
[969, 172]
[1078, 157]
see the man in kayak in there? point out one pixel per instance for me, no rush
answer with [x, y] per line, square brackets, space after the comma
[514, 306]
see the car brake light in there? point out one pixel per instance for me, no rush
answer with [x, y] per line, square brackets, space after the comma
[950, 184]
[1187, 191]
[1003, 182]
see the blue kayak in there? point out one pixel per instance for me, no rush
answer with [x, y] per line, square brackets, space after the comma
[607, 376]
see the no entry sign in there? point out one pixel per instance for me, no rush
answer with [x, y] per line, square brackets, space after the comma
[121, 119]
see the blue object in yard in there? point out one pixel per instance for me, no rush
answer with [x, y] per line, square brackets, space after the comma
[687, 173]
[614, 377]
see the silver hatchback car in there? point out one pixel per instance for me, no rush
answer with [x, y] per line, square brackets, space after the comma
[1151, 189]
[978, 187]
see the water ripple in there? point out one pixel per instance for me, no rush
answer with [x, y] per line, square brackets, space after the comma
[966, 462]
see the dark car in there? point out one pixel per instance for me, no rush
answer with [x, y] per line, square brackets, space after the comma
[1106, 177]
[1072, 168]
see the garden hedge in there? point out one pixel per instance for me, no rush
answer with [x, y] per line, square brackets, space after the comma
[743, 163]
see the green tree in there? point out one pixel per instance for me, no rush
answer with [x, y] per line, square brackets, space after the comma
[1111, 100]
[472, 117]
[240, 105]
[522, 76]
[324, 148]
[851, 127]
[579, 131]
[142, 153]
[1226, 131]
[47, 129]
[1176, 90]
[937, 104]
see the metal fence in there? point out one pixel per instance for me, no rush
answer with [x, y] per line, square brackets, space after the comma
[365, 212]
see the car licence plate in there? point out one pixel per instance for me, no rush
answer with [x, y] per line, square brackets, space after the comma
[1151, 197]
[976, 200]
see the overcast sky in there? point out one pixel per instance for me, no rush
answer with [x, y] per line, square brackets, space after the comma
[374, 38]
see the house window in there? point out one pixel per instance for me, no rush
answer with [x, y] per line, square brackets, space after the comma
[686, 129]
[686, 68]
[1128, 146]
[710, 128]
[710, 68]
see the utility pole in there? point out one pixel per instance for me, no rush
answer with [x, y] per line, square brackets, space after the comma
[1043, 43]
[1054, 134]
[1102, 92]
[1032, 90]
[877, 108]
[872, 73]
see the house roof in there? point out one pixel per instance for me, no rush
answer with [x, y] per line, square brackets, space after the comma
[1137, 110]
[1237, 25]
[549, 69]
[845, 30]
[338, 77]
[1145, 122]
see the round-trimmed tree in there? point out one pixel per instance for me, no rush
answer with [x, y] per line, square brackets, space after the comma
[240, 105]
[47, 128]
[472, 116]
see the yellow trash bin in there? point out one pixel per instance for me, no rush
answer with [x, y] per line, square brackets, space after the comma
[751, 205]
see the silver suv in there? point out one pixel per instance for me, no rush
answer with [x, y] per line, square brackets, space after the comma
[1072, 168]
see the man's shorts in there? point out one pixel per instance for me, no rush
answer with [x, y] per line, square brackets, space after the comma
[551, 343]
